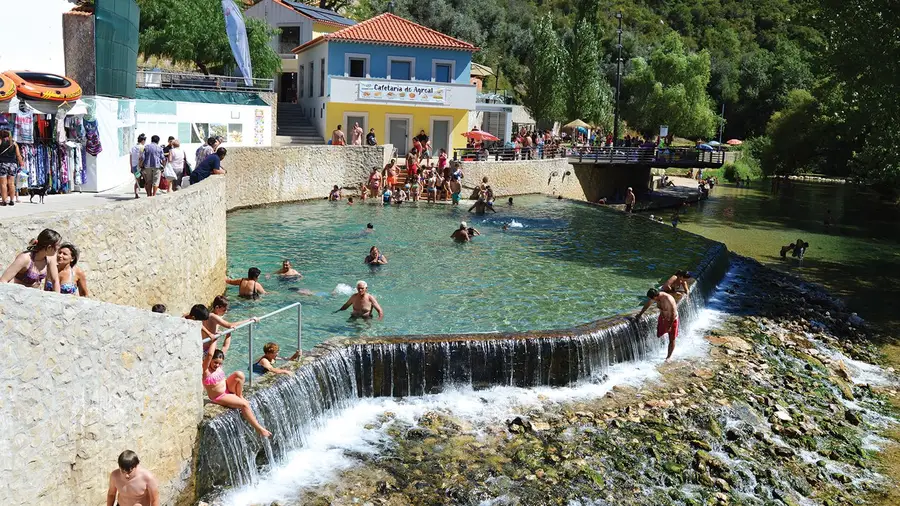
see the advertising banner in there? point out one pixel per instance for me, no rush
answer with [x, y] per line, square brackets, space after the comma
[403, 92]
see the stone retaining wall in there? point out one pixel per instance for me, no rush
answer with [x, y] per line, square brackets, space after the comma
[83, 380]
[258, 176]
[169, 249]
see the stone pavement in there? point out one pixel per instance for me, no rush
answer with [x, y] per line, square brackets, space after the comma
[69, 201]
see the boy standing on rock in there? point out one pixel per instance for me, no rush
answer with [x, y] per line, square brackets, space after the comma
[131, 485]
[668, 316]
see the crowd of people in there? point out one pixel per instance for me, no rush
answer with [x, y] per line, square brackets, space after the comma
[156, 167]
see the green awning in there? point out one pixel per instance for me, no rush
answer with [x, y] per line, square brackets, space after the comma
[199, 96]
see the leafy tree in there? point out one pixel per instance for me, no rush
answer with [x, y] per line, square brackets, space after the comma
[544, 80]
[670, 89]
[171, 29]
[589, 96]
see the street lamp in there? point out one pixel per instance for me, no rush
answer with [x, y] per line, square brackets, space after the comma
[618, 80]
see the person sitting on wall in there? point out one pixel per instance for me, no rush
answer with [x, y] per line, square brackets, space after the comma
[363, 303]
[266, 363]
[72, 279]
[248, 287]
[678, 280]
[228, 392]
[36, 264]
[370, 138]
[132, 485]
[210, 165]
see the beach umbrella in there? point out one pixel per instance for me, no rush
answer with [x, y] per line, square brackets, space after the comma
[705, 147]
[481, 135]
[735, 142]
[714, 143]
[575, 125]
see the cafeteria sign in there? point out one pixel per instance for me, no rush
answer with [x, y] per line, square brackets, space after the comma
[403, 93]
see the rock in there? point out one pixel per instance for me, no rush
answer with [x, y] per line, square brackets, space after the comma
[723, 485]
[703, 445]
[539, 426]
[420, 433]
[704, 374]
[732, 435]
[518, 425]
[784, 416]
[730, 342]
[673, 468]
[841, 369]
[845, 389]
[852, 417]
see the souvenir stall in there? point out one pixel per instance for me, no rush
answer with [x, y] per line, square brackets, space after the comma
[55, 136]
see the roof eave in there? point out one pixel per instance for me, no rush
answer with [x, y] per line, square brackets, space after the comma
[472, 49]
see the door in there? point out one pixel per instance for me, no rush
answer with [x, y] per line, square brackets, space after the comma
[287, 91]
[398, 134]
[440, 136]
[353, 119]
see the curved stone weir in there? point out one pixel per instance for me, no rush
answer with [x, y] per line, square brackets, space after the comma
[335, 373]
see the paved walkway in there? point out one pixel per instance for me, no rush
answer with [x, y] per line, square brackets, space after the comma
[69, 201]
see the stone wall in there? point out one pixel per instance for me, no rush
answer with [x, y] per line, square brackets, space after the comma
[258, 176]
[84, 380]
[168, 249]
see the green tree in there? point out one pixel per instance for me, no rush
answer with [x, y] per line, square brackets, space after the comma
[669, 88]
[544, 84]
[171, 29]
[589, 95]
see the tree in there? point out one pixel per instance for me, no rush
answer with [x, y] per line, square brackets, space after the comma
[170, 29]
[544, 85]
[589, 95]
[670, 89]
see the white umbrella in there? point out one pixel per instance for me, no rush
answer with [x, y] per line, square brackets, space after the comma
[715, 143]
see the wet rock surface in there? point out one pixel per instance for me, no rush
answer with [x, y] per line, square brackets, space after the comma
[775, 415]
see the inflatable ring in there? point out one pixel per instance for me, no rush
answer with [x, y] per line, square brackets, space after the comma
[7, 88]
[43, 86]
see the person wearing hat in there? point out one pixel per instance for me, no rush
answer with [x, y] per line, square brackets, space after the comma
[363, 303]
[462, 233]
[629, 200]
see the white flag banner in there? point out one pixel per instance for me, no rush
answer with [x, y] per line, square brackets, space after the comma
[237, 38]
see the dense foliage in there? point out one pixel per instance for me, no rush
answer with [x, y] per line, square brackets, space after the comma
[193, 32]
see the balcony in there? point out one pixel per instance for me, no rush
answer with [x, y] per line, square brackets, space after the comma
[154, 78]
[358, 90]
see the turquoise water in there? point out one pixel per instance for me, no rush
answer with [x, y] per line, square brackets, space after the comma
[559, 265]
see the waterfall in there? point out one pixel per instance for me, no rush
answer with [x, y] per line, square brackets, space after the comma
[232, 455]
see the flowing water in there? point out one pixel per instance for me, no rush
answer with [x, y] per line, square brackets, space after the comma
[560, 264]
[857, 257]
[338, 437]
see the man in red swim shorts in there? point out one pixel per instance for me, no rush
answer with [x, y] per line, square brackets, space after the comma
[668, 316]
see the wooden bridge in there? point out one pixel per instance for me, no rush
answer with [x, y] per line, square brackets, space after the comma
[636, 156]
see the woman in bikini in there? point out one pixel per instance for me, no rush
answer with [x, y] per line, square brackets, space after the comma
[375, 181]
[71, 278]
[228, 392]
[249, 287]
[36, 263]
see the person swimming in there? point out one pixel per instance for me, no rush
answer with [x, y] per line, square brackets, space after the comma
[287, 271]
[248, 287]
[375, 257]
[363, 303]
[461, 234]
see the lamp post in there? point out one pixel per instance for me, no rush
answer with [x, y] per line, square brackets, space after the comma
[618, 80]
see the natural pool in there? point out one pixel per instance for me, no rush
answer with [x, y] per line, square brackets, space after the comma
[560, 264]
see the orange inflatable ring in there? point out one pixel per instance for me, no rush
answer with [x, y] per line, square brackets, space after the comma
[7, 88]
[44, 86]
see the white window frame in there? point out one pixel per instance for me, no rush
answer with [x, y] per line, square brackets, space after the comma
[412, 65]
[435, 63]
[387, 129]
[358, 56]
[449, 120]
[366, 127]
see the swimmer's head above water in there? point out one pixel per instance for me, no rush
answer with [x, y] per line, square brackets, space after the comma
[253, 273]
[361, 286]
[463, 225]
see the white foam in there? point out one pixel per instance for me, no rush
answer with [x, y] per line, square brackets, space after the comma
[342, 289]
[515, 224]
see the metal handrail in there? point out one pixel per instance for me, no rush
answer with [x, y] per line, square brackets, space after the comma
[151, 78]
[251, 323]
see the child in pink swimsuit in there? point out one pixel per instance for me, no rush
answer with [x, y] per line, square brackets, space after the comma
[228, 392]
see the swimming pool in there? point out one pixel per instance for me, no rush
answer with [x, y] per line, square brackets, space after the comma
[560, 264]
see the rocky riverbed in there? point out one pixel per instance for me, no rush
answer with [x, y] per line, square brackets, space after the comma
[784, 409]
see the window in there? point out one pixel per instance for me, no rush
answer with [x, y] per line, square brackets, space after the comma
[301, 75]
[312, 74]
[288, 39]
[322, 78]
[357, 67]
[443, 72]
[401, 69]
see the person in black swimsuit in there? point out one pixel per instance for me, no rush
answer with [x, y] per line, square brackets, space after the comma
[248, 287]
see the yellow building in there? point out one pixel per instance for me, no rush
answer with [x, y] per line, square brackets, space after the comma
[391, 75]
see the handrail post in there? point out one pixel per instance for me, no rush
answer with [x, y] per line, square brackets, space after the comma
[250, 355]
[299, 327]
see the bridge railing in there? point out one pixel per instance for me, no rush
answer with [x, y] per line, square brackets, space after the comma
[650, 155]
[505, 154]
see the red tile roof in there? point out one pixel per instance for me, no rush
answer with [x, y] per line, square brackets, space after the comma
[391, 30]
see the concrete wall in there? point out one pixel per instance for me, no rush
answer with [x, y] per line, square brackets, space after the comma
[168, 249]
[84, 380]
[265, 176]
[81, 62]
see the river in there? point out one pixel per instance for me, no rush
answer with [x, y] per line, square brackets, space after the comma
[857, 257]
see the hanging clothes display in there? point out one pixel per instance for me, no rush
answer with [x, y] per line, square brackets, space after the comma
[54, 150]
[24, 127]
[92, 134]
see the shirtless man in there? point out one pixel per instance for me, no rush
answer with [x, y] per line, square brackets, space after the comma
[287, 270]
[461, 234]
[629, 200]
[678, 280]
[131, 485]
[455, 190]
[248, 287]
[363, 303]
[668, 316]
